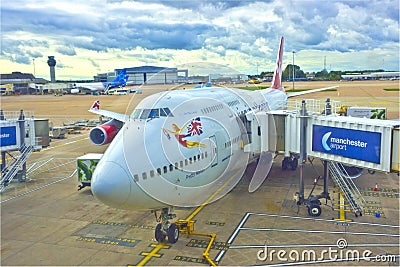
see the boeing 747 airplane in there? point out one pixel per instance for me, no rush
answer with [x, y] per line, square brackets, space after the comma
[183, 148]
[120, 81]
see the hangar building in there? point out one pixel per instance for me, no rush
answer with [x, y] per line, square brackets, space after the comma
[155, 75]
[20, 81]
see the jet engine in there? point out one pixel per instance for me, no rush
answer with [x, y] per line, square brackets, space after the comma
[350, 172]
[105, 133]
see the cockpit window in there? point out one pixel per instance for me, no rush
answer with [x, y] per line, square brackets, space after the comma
[136, 113]
[145, 114]
[154, 113]
[168, 112]
[151, 113]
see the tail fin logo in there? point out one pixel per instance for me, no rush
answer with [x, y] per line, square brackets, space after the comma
[96, 105]
[277, 79]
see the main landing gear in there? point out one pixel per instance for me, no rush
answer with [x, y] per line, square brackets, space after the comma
[166, 229]
[290, 163]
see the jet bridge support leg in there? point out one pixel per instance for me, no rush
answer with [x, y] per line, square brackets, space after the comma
[303, 153]
[325, 193]
[313, 203]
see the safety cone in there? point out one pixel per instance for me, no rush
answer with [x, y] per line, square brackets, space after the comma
[315, 181]
[376, 187]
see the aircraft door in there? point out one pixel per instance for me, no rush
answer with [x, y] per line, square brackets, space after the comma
[213, 150]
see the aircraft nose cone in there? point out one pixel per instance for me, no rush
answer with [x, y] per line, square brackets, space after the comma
[111, 184]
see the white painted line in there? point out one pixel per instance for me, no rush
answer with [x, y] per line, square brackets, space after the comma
[38, 188]
[311, 245]
[318, 231]
[323, 220]
[233, 236]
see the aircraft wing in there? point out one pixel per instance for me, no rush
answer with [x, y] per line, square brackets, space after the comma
[311, 91]
[110, 114]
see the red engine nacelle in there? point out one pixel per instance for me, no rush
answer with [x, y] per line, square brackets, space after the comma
[105, 133]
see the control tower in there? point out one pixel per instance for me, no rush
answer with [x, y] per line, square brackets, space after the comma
[52, 63]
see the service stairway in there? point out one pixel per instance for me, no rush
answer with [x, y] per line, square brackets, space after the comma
[8, 173]
[347, 187]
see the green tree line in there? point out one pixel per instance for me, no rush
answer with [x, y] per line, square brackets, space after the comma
[287, 73]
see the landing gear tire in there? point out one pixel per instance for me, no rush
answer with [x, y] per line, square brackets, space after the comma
[314, 210]
[294, 164]
[159, 234]
[173, 233]
[285, 163]
[290, 163]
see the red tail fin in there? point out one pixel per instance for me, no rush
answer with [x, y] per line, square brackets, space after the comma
[96, 105]
[277, 79]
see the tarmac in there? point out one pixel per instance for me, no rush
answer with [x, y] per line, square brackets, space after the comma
[46, 221]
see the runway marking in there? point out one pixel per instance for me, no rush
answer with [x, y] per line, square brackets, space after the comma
[196, 211]
[318, 231]
[60, 145]
[388, 190]
[190, 259]
[233, 236]
[144, 227]
[38, 188]
[116, 241]
[379, 194]
[365, 245]
[152, 253]
[244, 219]
[215, 223]
[190, 217]
[199, 243]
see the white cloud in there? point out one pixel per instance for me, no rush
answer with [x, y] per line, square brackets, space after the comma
[98, 36]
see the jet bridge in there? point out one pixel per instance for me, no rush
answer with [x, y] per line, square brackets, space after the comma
[17, 142]
[312, 128]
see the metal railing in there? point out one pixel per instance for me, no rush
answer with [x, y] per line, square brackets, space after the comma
[349, 190]
[8, 173]
[315, 106]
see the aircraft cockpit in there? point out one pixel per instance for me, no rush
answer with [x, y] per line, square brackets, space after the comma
[144, 114]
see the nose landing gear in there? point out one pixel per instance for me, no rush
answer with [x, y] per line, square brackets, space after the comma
[166, 229]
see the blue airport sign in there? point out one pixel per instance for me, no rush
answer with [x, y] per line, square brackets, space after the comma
[354, 144]
[8, 136]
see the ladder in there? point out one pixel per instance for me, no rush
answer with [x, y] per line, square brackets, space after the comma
[9, 172]
[349, 190]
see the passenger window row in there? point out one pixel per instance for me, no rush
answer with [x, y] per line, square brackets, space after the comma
[170, 168]
[233, 141]
[234, 102]
[212, 108]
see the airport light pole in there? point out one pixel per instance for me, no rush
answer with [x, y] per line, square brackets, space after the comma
[257, 69]
[34, 70]
[293, 68]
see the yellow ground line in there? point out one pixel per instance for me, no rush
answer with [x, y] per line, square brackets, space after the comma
[196, 211]
[191, 216]
[151, 254]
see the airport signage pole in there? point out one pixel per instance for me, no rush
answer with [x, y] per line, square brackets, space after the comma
[293, 69]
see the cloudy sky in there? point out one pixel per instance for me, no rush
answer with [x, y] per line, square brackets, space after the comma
[97, 36]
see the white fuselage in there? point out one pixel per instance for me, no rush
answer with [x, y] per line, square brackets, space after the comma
[180, 148]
